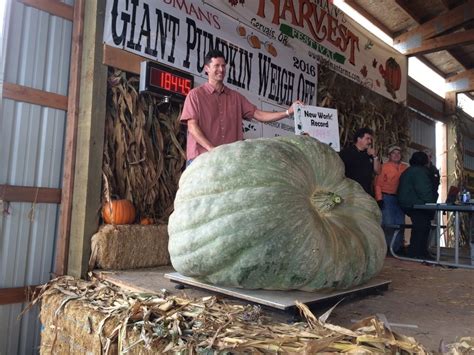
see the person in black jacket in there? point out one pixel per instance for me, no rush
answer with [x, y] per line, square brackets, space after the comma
[360, 161]
[415, 188]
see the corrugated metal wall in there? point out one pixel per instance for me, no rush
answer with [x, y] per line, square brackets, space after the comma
[423, 129]
[31, 154]
[432, 100]
[468, 158]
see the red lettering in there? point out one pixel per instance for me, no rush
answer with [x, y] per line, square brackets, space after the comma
[316, 19]
[288, 6]
[332, 26]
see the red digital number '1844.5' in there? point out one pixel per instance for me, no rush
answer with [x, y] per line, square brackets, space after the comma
[174, 83]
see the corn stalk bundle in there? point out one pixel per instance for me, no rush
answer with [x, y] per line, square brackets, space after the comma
[143, 154]
[458, 177]
[159, 323]
[360, 107]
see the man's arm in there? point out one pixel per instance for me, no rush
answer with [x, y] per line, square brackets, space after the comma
[267, 116]
[376, 160]
[196, 132]
[377, 165]
[378, 187]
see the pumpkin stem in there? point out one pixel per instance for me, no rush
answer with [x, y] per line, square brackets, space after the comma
[325, 201]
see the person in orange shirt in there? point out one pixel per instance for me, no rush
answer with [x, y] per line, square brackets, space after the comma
[386, 185]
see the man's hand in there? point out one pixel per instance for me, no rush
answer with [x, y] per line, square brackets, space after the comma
[291, 109]
[195, 130]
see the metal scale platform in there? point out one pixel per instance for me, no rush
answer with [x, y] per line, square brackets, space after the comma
[282, 300]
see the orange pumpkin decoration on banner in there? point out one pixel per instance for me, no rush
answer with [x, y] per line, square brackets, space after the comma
[392, 74]
[118, 212]
[146, 221]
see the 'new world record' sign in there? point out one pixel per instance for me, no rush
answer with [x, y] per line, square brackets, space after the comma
[318, 122]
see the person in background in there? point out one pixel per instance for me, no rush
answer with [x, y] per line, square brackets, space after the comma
[415, 188]
[386, 185]
[213, 112]
[360, 161]
[433, 172]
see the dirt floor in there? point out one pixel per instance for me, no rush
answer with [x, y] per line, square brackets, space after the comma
[433, 304]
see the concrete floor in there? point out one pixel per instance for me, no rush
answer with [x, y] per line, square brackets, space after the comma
[430, 303]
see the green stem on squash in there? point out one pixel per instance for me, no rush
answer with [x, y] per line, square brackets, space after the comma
[324, 201]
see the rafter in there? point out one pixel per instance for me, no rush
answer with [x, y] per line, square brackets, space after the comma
[440, 24]
[440, 43]
[462, 82]
[369, 17]
[403, 5]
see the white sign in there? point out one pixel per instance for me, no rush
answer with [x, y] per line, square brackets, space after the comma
[318, 122]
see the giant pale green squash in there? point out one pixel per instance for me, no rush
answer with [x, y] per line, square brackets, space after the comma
[274, 214]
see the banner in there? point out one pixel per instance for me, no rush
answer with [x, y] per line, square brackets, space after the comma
[318, 122]
[179, 33]
[320, 30]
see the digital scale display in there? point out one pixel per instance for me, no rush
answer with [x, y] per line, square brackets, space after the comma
[166, 81]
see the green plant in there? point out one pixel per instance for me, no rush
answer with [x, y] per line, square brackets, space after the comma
[275, 214]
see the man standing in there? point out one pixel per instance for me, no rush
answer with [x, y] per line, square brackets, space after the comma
[360, 160]
[386, 185]
[214, 112]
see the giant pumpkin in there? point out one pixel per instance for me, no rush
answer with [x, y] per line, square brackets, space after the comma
[274, 214]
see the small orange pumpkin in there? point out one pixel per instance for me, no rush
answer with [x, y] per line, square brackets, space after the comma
[118, 212]
[146, 221]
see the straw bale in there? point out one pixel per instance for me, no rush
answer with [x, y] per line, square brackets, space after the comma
[91, 316]
[73, 329]
[118, 247]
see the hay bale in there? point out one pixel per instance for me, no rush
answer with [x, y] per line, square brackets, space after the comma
[72, 326]
[118, 247]
[72, 329]
[96, 317]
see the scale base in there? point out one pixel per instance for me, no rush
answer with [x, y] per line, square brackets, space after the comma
[282, 300]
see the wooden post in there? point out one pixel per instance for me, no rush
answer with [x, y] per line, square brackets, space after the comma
[64, 228]
[450, 102]
[90, 141]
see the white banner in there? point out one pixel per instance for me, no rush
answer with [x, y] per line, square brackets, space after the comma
[317, 29]
[318, 122]
[179, 33]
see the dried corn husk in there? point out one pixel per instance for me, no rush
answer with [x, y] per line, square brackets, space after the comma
[157, 323]
[143, 150]
[360, 107]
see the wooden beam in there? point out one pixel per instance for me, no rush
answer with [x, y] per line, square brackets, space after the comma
[431, 66]
[450, 102]
[440, 43]
[369, 17]
[34, 96]
[462, 82]
[418, 147]
[17, 294]
[402, 4]
[12, 193]
[469, 152]
[421, 106]
[70, 143]
[52, 7]
[90, 141]
[118, 58]
[439, 25]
